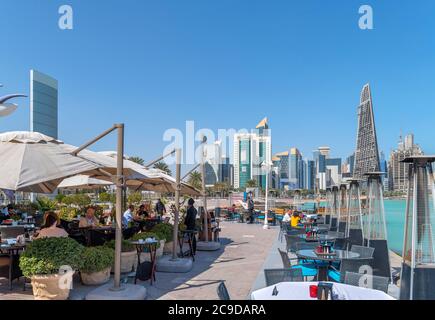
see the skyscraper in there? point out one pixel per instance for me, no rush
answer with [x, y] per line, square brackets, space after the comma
[283, 168]
[397, 170]
[366, 153]
[295, 169]
[251, 150]
[213, 157]
[311, 175]
[43, 104]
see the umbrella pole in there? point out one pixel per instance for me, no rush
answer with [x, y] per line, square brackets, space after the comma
[177, 204]
[119, 188]
[204, 195]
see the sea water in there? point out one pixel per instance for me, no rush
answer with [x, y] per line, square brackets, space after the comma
[395, 219]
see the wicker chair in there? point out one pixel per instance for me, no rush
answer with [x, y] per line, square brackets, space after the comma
[364, 252]
[274, 276]
[223, 292]
[291, 242]
[378, 283]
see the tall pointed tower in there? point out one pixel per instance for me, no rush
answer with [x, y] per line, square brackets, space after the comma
[366, 154]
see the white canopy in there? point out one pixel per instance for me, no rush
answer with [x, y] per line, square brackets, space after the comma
[33, 162]
[82, 181]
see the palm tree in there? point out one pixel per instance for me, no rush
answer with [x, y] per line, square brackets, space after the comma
[195, 180]
[138, 160]
[251, 183]
[161, 165]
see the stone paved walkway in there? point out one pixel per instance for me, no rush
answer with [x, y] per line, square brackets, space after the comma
[239, 262]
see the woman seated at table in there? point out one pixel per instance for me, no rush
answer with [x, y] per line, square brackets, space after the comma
[89, 220]
[51, 228]
[295, 219]
[142, 213]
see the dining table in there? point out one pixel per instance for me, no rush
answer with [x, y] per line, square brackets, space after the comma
[335, 256]
[318, 237]
[301, 291]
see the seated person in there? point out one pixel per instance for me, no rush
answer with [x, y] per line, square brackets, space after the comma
[7, 212]
[50, 227]
[286, 217]
[142, 213]
[128, 216]
[89, 220]
[295, 219]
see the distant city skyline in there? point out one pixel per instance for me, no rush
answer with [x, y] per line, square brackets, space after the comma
[211, 62]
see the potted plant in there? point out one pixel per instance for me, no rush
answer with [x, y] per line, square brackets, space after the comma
[96, 265]
[144, 256]
[128, 255]
[165, 231]
[42, 261]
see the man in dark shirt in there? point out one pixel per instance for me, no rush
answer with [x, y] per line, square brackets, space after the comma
[160, 208]
[251, 210]
[190, 221]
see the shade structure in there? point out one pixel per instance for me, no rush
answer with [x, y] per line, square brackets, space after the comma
[418, 265]
[142, 178]
[375, 227]
[34, 162]
[334, 209]
[82, 181]
[342, 208]
[354, 225]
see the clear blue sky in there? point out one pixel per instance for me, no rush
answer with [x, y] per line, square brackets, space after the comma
[226, 64]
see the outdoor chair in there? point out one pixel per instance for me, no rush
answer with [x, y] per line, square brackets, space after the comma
[376, 282]
[291, 242]
[9, 266]
[223, 292]
[11, 232]
[347, 265]
[364, 252]
[308, 269]
[274, 276]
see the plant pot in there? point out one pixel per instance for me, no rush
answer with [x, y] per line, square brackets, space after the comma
[95, 278]
[46, 287]
[168, 247]
[128, 260]
[160, 250]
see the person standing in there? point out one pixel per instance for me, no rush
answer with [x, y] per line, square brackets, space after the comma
[190, 221]
[160, 208]
[250, 210]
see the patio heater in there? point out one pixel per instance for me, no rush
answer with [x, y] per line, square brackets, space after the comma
[328, 205]
[375, 229]
[342, 208]
[418, 265]
[333, 225]
[354, 225]
[297, 200]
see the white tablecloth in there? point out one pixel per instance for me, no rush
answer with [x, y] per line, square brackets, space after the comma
[301, 291]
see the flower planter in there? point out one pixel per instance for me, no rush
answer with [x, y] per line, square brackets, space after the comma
[128, 260]
[46, 287]
[96, 278]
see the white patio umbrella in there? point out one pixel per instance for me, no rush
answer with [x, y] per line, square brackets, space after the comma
[82, 181]
[33, 162]
[157, 181]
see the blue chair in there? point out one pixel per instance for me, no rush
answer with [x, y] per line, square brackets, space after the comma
[308, 270]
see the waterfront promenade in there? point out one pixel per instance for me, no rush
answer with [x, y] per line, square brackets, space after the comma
[239, 262]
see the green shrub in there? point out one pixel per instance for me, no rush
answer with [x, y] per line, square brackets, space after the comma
[47, 255]
[145, 235]
[68, 213]
[45, 204]
[164, 231]
[126, 246]
[96, 259]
